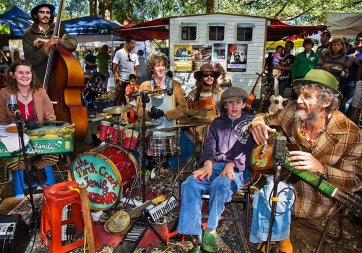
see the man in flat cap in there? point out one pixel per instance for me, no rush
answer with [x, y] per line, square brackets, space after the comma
[333, 147]
[223, 169]
[38, 38]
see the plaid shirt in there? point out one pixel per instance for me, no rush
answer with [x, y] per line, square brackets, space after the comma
[339, 148]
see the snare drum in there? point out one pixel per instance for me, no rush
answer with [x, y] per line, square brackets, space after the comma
[107, 170]
[161, 144]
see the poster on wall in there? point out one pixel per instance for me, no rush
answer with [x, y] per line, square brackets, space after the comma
[201, 54]
[218, 52]
[236, 57]
[182, 55]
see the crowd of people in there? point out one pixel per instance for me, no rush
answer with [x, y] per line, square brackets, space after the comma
[321, 80]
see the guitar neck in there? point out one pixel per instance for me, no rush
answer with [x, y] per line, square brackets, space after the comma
[135, 211]
[308, 176]
[348, 199]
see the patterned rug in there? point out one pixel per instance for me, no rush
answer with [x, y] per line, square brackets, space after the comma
[230, 233]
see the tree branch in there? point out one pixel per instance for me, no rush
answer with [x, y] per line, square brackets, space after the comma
[350, 5]
[304, 12]
[281, 9]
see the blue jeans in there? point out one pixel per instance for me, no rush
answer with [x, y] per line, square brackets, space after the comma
[261, 212]
[220, 189]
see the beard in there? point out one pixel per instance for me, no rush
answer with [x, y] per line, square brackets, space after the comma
[304, 116]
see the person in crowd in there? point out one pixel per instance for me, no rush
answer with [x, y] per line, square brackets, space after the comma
[35, 108]
[143, 73]
[166, 107]
[90, 61]
[353, 82]
[335, 60]
[305, 60]
[333, 145]
[131, 89]
[285, 66]
[38, 38]
[278, 55]
[269, 63]
[324, 40]
[125, 62]
[223, 169]
[103, 59]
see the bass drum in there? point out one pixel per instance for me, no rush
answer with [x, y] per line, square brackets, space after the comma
[108, 171]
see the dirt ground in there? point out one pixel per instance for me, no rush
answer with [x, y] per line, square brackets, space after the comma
[305, 234]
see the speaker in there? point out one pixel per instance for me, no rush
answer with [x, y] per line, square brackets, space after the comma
[14, 234]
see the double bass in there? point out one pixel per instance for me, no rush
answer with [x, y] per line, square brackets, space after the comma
[64, 82]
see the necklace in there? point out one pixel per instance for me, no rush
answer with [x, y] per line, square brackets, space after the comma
[25, 96]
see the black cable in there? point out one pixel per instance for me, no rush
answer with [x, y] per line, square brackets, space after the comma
[7, 230]
[278, 193]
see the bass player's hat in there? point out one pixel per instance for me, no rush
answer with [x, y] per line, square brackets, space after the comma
[34, 11]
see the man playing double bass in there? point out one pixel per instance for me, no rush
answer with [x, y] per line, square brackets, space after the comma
[334, 151]
[38, 38]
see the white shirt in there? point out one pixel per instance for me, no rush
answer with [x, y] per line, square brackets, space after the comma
[126, 63]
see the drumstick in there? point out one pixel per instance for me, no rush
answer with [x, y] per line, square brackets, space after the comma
[87, 218]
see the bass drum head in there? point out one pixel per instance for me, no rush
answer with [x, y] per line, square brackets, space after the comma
[102, 177]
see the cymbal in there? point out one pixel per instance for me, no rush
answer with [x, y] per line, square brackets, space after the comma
[117, 109]
[139, 124]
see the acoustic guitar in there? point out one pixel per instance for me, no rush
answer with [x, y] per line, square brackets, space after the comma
[262, 161]
[119, 222]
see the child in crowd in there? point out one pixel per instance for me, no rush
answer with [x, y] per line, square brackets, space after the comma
[131, 89]
[278, 55]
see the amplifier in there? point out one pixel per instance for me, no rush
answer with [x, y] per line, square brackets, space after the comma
[14, 234]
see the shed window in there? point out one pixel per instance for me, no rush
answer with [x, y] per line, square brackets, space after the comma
[188, 32]
[216, 31]
[245, 32]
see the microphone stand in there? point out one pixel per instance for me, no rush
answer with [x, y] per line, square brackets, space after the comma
[27, 171]
[275, 199]
[144, 99]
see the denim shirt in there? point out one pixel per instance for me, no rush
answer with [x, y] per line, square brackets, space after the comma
[229, 141]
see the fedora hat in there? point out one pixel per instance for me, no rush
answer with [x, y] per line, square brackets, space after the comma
[320, 77]
[34, 11]
[207, 67]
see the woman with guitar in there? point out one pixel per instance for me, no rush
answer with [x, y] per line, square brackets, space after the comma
[333, 145]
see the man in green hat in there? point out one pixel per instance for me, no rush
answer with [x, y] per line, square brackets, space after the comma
[333, 147]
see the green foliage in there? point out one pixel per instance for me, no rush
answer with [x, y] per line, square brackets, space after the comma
[294, 11]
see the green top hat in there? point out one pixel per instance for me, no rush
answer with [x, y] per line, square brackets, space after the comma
[320, 77]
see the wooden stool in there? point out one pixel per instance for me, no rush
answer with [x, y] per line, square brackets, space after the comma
[55, 199]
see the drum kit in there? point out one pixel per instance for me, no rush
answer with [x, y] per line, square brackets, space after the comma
[117, 155]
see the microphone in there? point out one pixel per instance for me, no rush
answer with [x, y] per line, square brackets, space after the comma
[280, 149]
[13, 103]
[169, 87]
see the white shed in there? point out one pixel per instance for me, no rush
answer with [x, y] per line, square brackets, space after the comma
[236, 42]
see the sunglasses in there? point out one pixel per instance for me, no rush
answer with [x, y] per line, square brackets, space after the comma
[129, 58]
[208, 74]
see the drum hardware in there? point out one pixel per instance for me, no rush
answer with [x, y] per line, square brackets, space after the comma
[193, 112]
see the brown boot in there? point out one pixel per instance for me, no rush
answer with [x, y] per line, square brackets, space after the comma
[286, 246]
